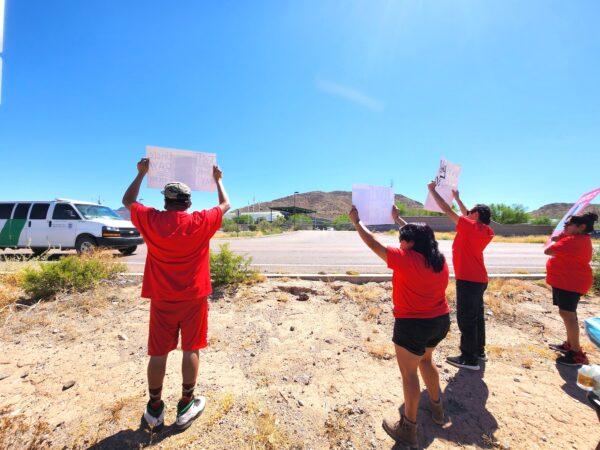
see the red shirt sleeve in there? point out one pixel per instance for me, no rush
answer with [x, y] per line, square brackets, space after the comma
[565, 245]
[210, 219]
[139, 215]
[396, 258]
[465, 225]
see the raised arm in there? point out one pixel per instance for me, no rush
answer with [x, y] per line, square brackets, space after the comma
[442, 204]
[463, 209]
[223, 197]
[367, 236]
[133, 190]
[396, 216]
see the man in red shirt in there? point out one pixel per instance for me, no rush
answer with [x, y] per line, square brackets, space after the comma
[473, 234]
[177, 282]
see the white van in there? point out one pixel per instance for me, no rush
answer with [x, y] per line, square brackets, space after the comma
[65, 224]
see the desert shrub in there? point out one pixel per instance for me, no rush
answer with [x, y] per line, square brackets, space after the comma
[342, 222]
[509, 214]
[541, 220]
[229, 226]
[596, 262]
[244, 218]
[227, 267]
[266, 227]
[299, 222]
[74, 273]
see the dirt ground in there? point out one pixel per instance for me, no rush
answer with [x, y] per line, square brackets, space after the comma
[291, 364]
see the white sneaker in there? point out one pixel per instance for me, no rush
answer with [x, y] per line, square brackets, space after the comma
[187, 415]
[154, 419]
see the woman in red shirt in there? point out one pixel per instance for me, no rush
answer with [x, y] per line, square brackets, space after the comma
[421, 314]
[569, 273]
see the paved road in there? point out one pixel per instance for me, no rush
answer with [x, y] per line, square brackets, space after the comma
[342, 251]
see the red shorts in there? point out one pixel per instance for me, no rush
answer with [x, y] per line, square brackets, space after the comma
[168, 317]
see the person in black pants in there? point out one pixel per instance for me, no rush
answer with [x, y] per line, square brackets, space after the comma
[473, 234]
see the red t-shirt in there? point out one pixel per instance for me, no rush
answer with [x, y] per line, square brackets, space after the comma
[418, 291]
[569, 267]
[177, 263]
[472, 237]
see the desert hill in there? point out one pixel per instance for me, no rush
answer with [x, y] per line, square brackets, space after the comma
[558, 210]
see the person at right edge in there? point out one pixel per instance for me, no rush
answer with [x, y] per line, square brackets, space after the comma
[569, 273]
[473, 234]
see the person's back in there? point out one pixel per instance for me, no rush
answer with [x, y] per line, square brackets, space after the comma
[177, 263]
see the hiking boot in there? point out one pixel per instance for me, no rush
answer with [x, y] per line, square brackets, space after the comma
[462, 363]
[437, 411]
[401, 431]
[572, 358]
[564, 347]
[188, 413]
[154, 418]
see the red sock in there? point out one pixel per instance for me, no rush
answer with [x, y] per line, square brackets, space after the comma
[187, 394]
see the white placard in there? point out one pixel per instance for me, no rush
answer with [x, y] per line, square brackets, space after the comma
[374, 203]
[446, 180]
[168, 165]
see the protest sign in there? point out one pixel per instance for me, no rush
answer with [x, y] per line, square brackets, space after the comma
[374, 203]
[446, 180]
[577, 207]
[168, 165]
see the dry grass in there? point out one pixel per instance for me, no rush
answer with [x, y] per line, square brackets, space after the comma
[17, 431]
[224, 405]
[364, 293]
[379, 351]
[267, 433]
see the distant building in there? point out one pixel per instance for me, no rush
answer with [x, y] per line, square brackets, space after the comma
[257, 216]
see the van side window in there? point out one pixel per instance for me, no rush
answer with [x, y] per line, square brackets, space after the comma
[64, 211]
[6, 210]
[39, 211]
[22, 210]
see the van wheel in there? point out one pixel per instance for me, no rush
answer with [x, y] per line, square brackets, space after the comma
[128, 251]
[85, 244]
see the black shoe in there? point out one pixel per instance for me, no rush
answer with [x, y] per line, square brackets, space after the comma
[462, 362]
[482, 357]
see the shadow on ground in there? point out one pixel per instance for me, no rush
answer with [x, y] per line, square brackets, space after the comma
[468, 420]
[134, 439]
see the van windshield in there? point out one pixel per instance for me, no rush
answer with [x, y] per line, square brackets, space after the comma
[97, 212]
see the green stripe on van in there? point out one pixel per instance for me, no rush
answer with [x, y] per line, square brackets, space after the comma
[11, 231]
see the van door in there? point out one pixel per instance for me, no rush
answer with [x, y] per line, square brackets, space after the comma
[18, 235]
[37, 226]
[6, 210]
[62, 228]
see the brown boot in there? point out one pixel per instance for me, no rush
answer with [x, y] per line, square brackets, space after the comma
[437, 412]
[403, 431]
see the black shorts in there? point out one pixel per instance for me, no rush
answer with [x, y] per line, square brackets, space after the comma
[415, 335]
[565, 300]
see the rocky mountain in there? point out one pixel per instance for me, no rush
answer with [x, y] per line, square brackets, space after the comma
[558, 210]
[327, 205]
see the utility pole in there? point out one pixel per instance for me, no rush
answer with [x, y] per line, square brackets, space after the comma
[294, 216]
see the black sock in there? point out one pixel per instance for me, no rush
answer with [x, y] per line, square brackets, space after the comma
[155, 397]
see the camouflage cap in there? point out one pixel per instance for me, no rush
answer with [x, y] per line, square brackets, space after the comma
[177, 191]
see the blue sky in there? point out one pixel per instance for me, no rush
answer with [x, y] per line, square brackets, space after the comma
[303, 95]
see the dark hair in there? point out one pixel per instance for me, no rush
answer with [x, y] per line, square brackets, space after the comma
[424, 243]
[179, 204]
[485, 213]
[586, 219]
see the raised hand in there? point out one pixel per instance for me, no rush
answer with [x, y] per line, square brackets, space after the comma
[353, 214]
[217, 174]
[143, 166]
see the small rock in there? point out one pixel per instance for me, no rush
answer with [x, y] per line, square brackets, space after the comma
[122, 337]
[25, 375]
[59, 424]
[252, 354]
[292, 328]
[328, 341]
[302, 297]
[544, 438]
[3, 376]
[54, 331]
[516, 380]
[446, 370]
[68, 385]
[284, 378]
[300, 403]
